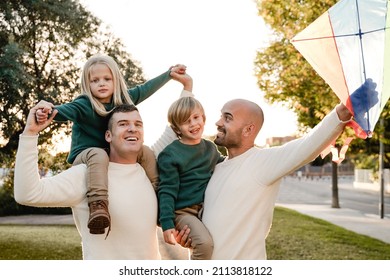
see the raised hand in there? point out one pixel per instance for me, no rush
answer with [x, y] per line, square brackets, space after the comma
[363, 99]
[184, 79]
[33, 126]
[44, 110]
[178, 68]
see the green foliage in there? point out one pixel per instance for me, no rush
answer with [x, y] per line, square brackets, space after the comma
[46, 163]
[289, 17]
[39, 41]
[10, 207]
[43, 44]
[282, 73]
[363, 161]
[57, 163]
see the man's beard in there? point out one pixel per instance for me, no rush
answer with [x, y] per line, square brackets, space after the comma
[227, 142]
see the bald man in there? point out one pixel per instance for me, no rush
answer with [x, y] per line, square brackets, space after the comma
[241, 195]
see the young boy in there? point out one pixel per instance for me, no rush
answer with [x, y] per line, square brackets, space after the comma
[185, 167]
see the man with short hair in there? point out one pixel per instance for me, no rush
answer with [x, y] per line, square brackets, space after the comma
[133, 201]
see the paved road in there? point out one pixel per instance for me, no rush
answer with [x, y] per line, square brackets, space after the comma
[319, 192]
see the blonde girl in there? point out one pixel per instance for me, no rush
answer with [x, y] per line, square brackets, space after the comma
[103, 87]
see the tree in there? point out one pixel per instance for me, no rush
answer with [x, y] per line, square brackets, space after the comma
[283, 74]
[38, 40]
[42, 43]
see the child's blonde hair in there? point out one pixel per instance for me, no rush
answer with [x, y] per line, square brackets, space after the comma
[120, 95]
[181, 110]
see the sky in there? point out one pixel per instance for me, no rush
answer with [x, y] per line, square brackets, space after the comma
[216, 39]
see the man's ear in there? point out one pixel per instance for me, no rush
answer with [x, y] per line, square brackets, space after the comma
[248, 130]
[108, 136]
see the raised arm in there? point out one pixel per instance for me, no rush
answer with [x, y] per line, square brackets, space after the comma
[140, 93]
[168, 136]
[37, 119]
[184, 79]
[63, 190]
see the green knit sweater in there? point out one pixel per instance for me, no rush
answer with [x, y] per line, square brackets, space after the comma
[88, 127]
[184, 173]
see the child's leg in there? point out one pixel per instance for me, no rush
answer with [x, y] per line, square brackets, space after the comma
[147, 160]
[96, 160]
[201, 240]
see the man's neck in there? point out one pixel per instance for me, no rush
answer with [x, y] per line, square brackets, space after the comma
[123, 160]
[235, 152]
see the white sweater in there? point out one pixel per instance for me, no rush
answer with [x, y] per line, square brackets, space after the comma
[132, 201]
[240, 197]
[132, 204]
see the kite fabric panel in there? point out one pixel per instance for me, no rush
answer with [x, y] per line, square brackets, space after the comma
[347, 45]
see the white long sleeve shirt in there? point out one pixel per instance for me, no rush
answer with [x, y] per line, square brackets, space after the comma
[240, 197]
[132, 204]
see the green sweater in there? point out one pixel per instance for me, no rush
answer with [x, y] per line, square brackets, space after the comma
[88, 127]
[184, 171]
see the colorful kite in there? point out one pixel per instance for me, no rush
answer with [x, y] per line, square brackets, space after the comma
[348, 45]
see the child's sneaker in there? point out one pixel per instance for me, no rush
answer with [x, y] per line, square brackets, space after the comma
[99, 218]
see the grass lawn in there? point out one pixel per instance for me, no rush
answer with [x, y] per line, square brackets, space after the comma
[39, 242]
[293, 237]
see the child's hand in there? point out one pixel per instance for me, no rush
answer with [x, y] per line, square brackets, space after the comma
[170, 236]
[179, 69]
[184, 79]
[42, 115]
[32, 126]
[44, 110]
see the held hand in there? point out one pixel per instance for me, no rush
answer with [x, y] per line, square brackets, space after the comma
[182, 237]
[184, 79]
[178, 68]
[42, 115]
[45, 109]
[363, 99]
[33, 127]
[169, 236]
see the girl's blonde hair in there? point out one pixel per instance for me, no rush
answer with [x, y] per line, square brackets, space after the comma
[181, 110]
[120, 95]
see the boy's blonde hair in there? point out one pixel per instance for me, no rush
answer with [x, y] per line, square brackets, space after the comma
[120, 95]
[181, 110]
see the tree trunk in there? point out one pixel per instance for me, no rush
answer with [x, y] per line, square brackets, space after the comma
[335, 189]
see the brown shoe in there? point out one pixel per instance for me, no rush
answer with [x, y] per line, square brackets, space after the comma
[99, 218]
